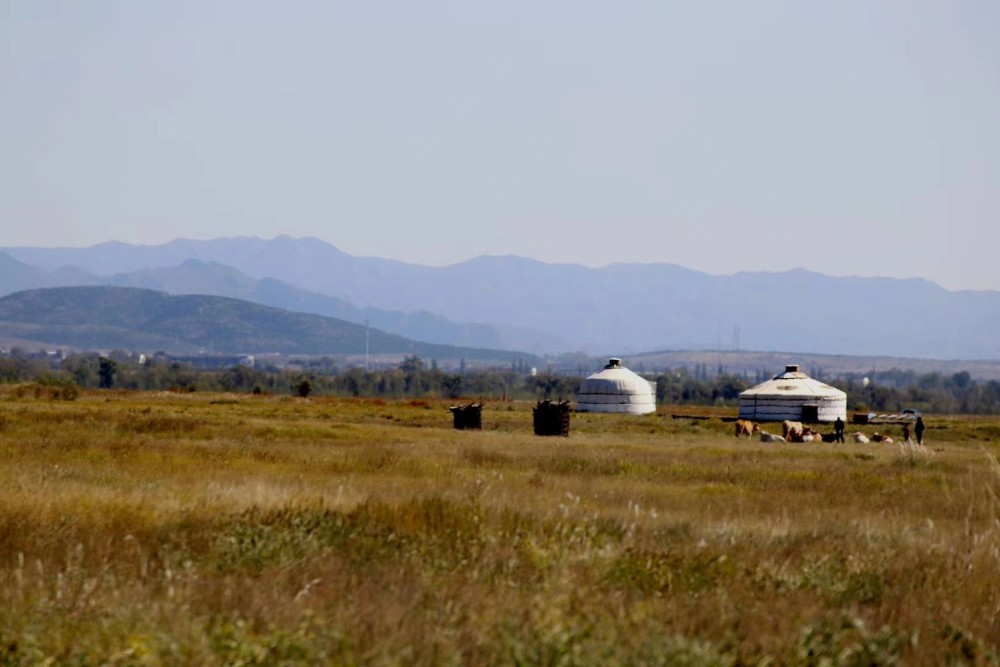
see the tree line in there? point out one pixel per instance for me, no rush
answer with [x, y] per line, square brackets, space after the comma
[883, 391]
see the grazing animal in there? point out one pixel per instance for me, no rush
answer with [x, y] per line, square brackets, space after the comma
[829, 437]
[860, 438]
[767, 437]
[878, 437]
[792, 431]
[745, 427]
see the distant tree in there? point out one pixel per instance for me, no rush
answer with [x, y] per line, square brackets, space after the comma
[411, 365]
[452, 385]
[304, 388]
[727, 387]
[413, 368]
[107, 368]
[10, 370]
[961, 379]
[238, 378]
[83, 368]
[695, 391]
[355, 382]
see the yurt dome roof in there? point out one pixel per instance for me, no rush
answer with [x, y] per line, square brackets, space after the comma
[793, 384]
[616, 389]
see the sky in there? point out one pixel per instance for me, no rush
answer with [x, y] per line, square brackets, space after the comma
[849, 138]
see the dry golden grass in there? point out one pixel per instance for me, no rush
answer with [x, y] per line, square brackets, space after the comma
[221, 529]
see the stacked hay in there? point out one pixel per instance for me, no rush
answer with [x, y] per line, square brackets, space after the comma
[468, 417]
[552, 418]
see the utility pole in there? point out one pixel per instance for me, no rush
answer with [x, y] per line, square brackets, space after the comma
[367, 337]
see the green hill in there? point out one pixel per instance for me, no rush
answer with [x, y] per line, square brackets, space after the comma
[101, 318]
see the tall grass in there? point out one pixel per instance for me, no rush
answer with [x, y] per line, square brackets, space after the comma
[211, 529]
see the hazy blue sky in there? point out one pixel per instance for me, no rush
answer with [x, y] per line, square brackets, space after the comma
[853, 137]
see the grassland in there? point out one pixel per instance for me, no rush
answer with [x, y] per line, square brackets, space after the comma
[210, 529]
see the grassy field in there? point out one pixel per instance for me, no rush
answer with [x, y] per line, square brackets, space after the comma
[160, 528]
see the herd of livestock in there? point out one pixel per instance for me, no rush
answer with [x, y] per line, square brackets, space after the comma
[798, 432]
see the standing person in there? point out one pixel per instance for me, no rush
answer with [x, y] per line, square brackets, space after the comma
[906, 432]
[838, 429]
[919, 430]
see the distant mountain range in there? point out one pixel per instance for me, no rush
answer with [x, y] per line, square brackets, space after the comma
[525, 304]
[132, 319]
[195, 276]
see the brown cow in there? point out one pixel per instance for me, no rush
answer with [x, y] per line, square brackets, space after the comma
[792, 431]
[746, 427]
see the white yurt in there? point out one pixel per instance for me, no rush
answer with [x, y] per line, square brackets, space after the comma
[617, 389]
[793, 395]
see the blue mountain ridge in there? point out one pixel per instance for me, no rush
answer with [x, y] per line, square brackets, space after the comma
[620, 308]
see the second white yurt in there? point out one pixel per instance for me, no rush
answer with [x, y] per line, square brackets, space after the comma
[617, 389]
[793, 395]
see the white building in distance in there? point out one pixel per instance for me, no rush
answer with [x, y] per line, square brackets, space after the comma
[617, 389]
[793, 395]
